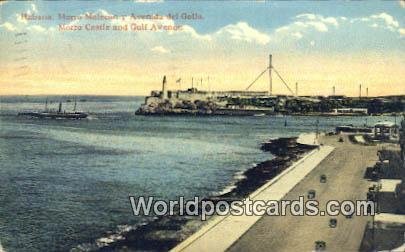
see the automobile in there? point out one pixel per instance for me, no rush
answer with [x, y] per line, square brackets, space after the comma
[311, 194]
[320, 245]
[371, 196]
[374, 175]
[333, 223]
[322, 178]
[374, 188]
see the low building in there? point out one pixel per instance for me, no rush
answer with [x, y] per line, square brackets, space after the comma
[386, 131]
[350, 111]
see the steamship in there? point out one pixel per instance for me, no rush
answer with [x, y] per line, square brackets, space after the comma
[59, 114]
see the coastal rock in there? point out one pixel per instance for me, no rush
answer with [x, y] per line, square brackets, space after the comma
[168, 107]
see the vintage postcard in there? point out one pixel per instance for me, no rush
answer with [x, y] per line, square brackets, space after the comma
[158, 125]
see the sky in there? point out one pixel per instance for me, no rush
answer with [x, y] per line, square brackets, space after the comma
[219, 45]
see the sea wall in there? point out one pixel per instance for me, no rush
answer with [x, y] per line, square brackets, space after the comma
[211, 236]
[165, 232]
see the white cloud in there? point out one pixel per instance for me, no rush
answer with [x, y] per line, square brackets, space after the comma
[388, 19]
[194, 34]
[298, 23]
[104, 12]
[402, 32]
[8, 26]
[331, 20]
[298, 35]
[305, 17]
[285, 28]
[160, 49]
[319, 26]
[22, 23]
[381, 20]
[309, 16]
[243, 32]
[20, 19]
[305, 23]
[34, 8]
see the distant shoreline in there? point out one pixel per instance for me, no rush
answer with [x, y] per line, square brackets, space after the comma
[145, 95]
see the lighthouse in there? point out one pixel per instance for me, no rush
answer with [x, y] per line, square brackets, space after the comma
[164, 92]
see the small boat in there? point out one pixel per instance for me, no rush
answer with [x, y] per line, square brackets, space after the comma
[259, 115]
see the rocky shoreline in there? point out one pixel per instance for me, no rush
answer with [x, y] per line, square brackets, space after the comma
[166, 232]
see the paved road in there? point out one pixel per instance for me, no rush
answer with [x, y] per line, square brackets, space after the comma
[344, 168]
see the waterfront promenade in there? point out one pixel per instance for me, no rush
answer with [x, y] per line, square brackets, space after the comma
[222, 231]
[345, 169]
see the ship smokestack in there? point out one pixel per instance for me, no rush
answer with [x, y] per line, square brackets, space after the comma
[164, 92]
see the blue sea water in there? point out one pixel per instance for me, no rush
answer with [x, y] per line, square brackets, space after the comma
[66, 182]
